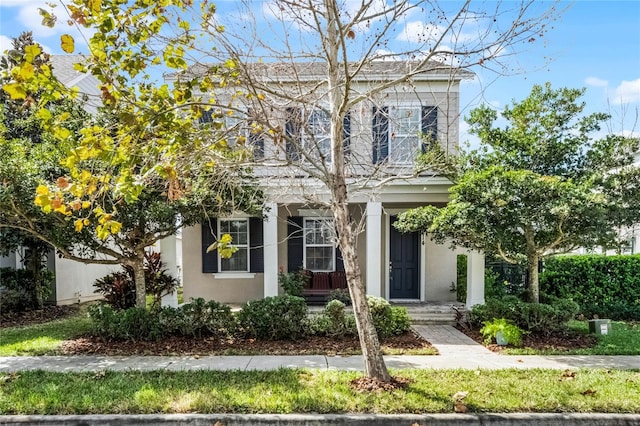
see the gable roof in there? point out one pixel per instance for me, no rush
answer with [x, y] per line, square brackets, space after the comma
[87, 84]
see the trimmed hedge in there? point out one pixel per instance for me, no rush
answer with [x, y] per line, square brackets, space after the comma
[607, 286]
[537, 318]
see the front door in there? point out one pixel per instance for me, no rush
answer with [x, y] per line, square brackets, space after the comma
[404, 264]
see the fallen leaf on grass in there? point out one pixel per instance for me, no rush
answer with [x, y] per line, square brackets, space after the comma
[567, 375]
[458, 405]
[588, 392]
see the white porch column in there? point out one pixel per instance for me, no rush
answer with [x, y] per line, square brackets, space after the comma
[169, 256]
[374, 248]
[270, 239]
[475, 278]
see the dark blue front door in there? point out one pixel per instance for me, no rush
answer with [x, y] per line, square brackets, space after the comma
[404, 258]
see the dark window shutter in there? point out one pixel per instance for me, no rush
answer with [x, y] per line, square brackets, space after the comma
[339, 261]
[206, 117]
[295, 243]
[346, 134]
[429, 126]
[256, 142]
[256, 244]
[209, 260]
[292, 133]
[380, 127]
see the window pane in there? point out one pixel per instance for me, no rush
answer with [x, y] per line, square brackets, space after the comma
[405, 130]
[236, 228]
[320, 258]
[318, 231]
[239, 261]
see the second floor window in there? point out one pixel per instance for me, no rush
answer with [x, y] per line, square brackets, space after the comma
[401, 132]
[310, 132]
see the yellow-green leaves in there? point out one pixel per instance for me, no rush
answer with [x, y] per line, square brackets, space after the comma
[31, 52]
[67, 43]
[15, 90]
[224, 247]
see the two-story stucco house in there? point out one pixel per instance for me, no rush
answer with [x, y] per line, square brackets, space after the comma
[382, 137]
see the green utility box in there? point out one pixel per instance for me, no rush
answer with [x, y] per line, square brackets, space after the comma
[600, 326]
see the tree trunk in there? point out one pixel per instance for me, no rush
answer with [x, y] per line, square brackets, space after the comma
[533, 289]
[338, 93]
[369, 343]
[138, 275]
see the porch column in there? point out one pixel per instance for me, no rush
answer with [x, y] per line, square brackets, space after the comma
[169, 256]
[374, 248]
[270, 239]
[475, 278]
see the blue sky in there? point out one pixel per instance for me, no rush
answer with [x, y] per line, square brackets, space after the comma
[594, 44]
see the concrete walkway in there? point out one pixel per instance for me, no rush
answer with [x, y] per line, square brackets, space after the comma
[456, 351]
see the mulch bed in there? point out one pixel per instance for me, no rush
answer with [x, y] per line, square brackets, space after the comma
[558, 341]
[38, 316]
[189, 346]
[177, 345]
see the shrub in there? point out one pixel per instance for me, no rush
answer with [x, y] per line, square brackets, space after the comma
[20, 290]
[334, 321]
[601, 285]
[539, 318]
[293, 282]
[388, 320]
[208, 318]
[340, 294]
[119, 289]
[128, 324]
[510, 332]
[274, 318]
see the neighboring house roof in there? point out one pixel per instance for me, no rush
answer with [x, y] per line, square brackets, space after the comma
[315, 71]
[87, 84]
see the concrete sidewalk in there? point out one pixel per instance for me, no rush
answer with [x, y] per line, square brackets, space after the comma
[83, 363]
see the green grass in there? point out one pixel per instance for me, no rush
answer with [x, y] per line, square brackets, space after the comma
[309, 391]
[42, 339]
[624, 339]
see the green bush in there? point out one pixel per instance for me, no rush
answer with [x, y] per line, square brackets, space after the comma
[275, 318]
[388, 320]
[538, 318]
[608, 286]
[129, 324]
[20, 290]
[293, 282]
[334, 321]
[340, 294]
[198, 319]
[210, 318]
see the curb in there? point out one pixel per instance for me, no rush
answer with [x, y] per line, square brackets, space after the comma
[510, 419]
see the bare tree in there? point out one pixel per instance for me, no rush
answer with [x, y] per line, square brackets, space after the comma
[334, 58]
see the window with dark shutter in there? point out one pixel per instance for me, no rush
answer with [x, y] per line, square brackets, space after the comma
[209, 260]
[380, 128]
[256, 244]
[346, 134]
[292, 130]
[295, 243]
[429, 126]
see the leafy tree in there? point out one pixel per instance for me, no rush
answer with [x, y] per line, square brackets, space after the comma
[345, 38]
[72, 186]
[537, 187]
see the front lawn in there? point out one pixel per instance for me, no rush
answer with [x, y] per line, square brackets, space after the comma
[310, 391]
[45, 338]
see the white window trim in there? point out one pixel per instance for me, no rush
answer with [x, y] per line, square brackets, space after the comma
[220, 272]
[392, 117]
[304, 244]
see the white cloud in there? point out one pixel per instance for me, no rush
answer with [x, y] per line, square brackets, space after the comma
[627, 92]
[10, 3]
[5, 43]
[596, 82]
